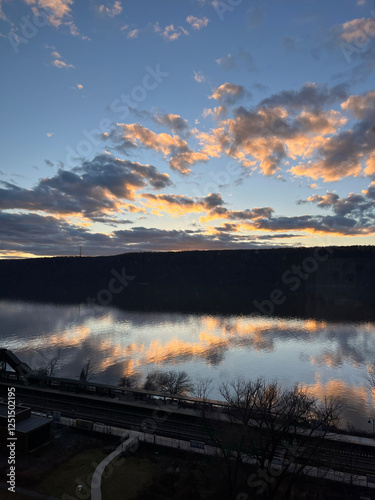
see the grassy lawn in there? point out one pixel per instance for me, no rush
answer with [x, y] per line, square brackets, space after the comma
[66, 477]
[125, 480]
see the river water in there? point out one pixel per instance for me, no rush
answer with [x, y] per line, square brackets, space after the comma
[330, 358]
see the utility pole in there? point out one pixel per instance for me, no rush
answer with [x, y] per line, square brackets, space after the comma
[80, 251]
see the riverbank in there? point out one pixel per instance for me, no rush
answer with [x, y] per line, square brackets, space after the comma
[326, 283]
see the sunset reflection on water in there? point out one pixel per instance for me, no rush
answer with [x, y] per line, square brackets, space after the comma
[331, 358]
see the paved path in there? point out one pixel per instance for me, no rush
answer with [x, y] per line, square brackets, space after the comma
[96, 481]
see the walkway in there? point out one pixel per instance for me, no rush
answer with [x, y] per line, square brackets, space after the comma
[96, 481]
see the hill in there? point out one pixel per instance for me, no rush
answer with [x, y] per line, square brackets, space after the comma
[334, 282]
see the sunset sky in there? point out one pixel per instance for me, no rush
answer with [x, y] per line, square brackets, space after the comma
[142, 125]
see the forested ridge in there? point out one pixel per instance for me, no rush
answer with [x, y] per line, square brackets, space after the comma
[321, 282]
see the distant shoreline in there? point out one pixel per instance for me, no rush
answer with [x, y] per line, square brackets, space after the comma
[323, 283]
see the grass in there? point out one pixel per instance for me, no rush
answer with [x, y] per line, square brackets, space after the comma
[125, 480]
[122, 479]
[76, 470]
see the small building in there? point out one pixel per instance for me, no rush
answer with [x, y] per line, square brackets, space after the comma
[31, 431]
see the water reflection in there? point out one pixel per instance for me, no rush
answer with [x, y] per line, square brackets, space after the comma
[332, 358]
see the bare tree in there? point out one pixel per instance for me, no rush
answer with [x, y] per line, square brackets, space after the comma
[88, 371]
[171, 382]
[127, 381]
[202, 388]
[48, 369]
[151, 382]
[273, 425]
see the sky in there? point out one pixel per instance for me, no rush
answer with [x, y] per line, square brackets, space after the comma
[137, 125]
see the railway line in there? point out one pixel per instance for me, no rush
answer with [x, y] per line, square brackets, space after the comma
[166, 415]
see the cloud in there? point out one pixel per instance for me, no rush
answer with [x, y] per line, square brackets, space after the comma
[310, 96]
[333, 225]
[174, 122]
[113, 11]
[96, 188]
[294, 126]
[165, 143]
[347, 152]
[218, 112]
[133, 33]
[62, 64]
[57, 59]
[270, 135]
[199, 77]
[47, 235]
[2, 15]
[370, 192]
[227, 62]
[197, 23]
[151, 239]
[58, 13]
[229, 93]
[292, 129]
[241, 59]
[255, 17]
[182, 157]
[178, 205]
[170, 33]
[361, 206]
[358, 30]
[238, 215]
[355, 39]
[183, 161]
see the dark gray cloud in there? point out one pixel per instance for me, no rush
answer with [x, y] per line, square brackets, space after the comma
[90, 189]
[370, 193]
[311, 96]
[207, 202]
[346, 226]
[247, 214]
[361, 206]
[47, 235]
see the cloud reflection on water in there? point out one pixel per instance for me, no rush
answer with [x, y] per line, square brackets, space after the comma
[329, 357]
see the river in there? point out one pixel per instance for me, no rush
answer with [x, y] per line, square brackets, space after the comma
[330, 358]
